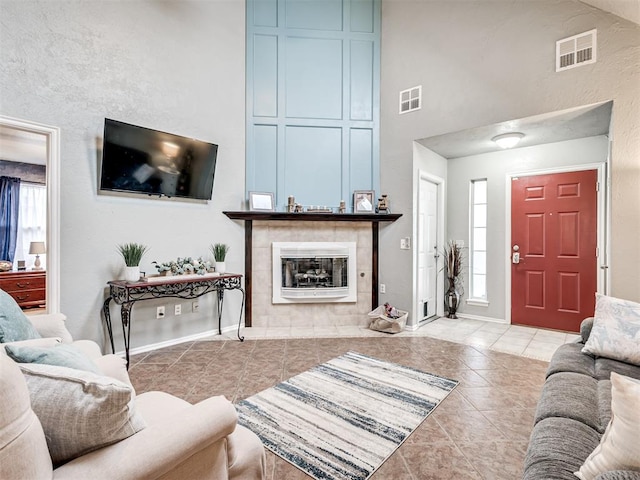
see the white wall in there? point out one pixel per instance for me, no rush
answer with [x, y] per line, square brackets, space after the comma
[495, 167]
[171, 66]
[482, 62]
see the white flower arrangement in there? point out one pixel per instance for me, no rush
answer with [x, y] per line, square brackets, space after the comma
[183, 266]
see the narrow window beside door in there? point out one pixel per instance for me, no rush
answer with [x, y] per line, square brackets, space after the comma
[478, 247]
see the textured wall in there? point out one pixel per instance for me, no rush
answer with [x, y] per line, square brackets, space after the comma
[172, 66]
[483, 62]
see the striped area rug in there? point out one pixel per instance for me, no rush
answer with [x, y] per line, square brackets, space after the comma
[342, 419]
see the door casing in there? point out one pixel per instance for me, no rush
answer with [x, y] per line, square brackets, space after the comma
[52, 135]
[602, 228]
[423, 176]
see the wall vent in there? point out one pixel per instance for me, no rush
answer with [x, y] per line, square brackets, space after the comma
[411, 99]
[576, 51]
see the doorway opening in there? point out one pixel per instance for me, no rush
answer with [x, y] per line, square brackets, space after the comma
[23, 129]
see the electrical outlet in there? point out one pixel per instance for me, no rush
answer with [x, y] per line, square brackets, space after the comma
[178, 309]
[383, 288]
[405, 243]
[160, 312]
[195, 306]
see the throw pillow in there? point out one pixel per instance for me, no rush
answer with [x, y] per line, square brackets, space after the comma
[616, 330]
[80, 411]
[14, 324]
[619, 448]
[62, 355]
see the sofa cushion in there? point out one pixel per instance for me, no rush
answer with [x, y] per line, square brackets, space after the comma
[567, 358]
[23, 448]
[616, 330]
[557, 448]
[619, 448]
[62, 355]
[80, 411]
[14, 324]
[604, 367]
[578, 397]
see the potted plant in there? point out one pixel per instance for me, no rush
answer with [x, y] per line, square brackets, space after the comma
[219, 251]
[453, 269]
[132, 254]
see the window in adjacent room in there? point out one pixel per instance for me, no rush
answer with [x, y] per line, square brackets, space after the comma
[478, 248]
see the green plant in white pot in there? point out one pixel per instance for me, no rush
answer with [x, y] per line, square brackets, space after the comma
[219, 251]
[132, 255]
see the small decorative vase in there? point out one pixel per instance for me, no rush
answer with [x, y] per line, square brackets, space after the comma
[451, 299]
[132, 274]
[221, 267]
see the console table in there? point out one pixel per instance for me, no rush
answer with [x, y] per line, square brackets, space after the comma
[126, 294]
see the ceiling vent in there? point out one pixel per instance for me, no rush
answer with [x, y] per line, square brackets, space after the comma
[576, 51]
[411, 99]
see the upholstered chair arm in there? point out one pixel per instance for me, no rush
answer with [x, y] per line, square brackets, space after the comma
[51, 325]
[187, 443]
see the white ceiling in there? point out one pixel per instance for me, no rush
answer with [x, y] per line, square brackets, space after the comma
[581, 122]
[627, 9]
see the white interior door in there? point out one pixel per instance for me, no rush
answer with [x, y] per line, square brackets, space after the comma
[427, 248]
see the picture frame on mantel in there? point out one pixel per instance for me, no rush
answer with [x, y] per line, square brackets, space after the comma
[363, 201]
[261, 202]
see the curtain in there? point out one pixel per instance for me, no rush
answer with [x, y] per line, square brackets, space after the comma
[32, 224]
[9, 203]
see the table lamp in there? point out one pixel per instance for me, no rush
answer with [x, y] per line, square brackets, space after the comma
[37, 248]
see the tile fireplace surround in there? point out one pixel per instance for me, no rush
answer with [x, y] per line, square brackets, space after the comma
[263, 229]
[267, 314]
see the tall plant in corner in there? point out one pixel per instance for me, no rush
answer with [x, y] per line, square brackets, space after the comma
[132, 255]
[453, 259]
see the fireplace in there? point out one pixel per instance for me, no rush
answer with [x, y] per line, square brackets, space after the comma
[314, 272]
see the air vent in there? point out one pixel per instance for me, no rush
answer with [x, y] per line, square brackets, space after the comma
[411, 99]
[576, 51]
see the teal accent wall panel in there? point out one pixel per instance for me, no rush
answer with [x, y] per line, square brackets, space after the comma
[314, 65]
[265, 68]
[362, 15]
[361, 81]
[265, 13]
[313, 99]
[360, 152]
[314, 14]
[265, 168]
[313, 165]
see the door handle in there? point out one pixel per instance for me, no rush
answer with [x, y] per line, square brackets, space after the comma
[516, 257]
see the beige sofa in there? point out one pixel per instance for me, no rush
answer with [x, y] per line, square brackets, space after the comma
[180, 440]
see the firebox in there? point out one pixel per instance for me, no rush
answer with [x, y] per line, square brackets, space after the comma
[314, 272]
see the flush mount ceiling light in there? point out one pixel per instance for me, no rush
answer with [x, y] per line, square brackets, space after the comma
[508, 140]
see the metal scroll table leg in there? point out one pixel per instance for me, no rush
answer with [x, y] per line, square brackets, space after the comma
[107, 320]
[220, 293]
[241, 338]
[125, 313]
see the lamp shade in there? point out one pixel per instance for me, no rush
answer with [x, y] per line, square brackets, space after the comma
[37, 248]
[508, 140]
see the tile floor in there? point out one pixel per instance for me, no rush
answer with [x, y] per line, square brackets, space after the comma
[480, 431]
[518, 340]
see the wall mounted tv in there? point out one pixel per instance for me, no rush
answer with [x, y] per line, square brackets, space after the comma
[142, 161]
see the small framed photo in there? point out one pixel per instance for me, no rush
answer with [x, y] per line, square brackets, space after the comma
[261, 201]
[363, 201]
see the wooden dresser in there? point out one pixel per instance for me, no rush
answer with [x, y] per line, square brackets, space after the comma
[29, 287]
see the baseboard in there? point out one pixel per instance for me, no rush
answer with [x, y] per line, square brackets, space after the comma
[421, 323]
[481, 318]
[176, 341]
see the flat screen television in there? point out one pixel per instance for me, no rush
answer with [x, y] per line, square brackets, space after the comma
[143, 161]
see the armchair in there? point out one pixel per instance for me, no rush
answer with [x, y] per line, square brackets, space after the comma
[180, 440]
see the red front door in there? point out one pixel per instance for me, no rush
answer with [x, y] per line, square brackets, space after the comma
[554, 231]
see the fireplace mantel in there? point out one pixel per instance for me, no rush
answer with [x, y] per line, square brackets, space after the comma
[249, 216]
[314, 216]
